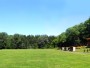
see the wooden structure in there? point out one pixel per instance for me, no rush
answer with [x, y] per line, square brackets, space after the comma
[88, 42]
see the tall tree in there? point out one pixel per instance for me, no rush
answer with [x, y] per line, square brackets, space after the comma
[3, 40]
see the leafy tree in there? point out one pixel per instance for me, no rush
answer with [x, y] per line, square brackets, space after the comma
[72, 35]
[3, 40]
[16, 41]
[62, 39]
[43, 41]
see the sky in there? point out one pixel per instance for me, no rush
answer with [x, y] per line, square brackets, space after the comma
[33, 17]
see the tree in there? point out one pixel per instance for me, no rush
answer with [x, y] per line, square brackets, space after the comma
[62, 39]
[51, 42]
[43, 41]
[3, 40]
[87, 25]
[72, 35]
[16, 41]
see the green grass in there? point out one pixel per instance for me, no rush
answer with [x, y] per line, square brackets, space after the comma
[43, 58]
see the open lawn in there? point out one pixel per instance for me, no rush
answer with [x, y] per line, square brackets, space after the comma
[43, 58]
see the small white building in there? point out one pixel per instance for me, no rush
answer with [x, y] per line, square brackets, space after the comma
[63, 48]
[74, 49]
[69, 48]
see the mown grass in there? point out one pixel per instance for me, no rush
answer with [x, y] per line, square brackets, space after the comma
[43, 58]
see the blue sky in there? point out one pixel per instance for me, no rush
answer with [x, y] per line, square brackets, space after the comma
[50, 17]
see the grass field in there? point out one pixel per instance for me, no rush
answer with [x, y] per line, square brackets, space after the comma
[43, 58]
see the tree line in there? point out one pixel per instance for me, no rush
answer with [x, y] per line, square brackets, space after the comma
[73, 36]
[18, 41]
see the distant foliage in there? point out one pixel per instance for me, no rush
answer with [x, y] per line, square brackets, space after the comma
[76, 35]
[73, 36]
[18, 41]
